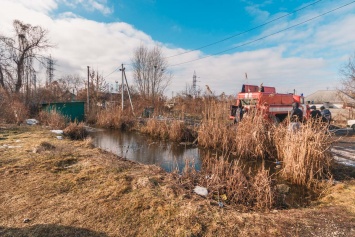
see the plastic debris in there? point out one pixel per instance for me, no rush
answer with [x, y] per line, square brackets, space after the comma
[26, 220]
[32, 121]
[220, 204]
[57, 131]
[224, 197]
[283, 188]
[59, 137]
[201, 191]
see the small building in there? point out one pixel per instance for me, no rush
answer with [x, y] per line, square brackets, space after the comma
[75, 111]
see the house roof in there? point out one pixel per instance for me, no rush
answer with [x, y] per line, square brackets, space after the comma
[331, 96]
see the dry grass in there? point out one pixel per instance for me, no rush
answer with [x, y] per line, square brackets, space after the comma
[65, 189]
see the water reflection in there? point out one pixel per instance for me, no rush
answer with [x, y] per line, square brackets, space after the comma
[143, 149]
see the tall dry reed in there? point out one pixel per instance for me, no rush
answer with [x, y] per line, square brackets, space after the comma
[114, 117]
[253, 137]
[228, 182]
[174, 130]
[215, 131]
[305, 153]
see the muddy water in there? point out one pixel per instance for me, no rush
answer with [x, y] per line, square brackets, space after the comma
[143, 149]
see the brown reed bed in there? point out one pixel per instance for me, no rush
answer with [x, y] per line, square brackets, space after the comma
[216, 131]
[305, 153]
[114, 117]
[174, 130]
[254, 137]
[228, 182]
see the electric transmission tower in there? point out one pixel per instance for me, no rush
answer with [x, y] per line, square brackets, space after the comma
[50, 70]
[194, 80]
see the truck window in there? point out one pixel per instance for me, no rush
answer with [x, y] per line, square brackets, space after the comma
[249, 101]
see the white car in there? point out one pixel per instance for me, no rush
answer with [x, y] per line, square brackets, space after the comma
[351, 124]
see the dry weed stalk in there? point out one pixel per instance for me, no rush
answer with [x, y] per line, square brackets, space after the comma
[263, 190]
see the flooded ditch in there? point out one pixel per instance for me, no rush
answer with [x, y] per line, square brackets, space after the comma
[171, 156]
[143, 149]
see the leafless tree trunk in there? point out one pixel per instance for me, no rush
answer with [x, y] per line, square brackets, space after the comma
[150, 74]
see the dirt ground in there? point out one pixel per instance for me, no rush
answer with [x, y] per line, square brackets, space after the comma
[52, 187]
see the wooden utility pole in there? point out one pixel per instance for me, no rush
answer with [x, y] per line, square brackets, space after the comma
[88, 100]
[122, 89]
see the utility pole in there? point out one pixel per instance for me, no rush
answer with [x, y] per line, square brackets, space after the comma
[88, 100]
[122, 89]
[194, 79]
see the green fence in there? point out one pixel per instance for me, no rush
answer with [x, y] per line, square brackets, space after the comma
[72, 110]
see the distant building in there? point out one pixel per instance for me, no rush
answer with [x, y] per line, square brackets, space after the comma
[331, 99]
[340, 104]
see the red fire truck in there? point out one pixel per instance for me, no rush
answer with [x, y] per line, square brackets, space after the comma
[274, 106]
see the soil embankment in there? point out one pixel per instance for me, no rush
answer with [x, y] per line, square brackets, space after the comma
[52, 187]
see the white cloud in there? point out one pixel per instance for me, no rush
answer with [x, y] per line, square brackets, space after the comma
[38, 5]
[89, 5]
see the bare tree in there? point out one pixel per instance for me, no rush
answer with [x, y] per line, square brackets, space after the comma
[70, 82]
[150, 72]
[21, 49]
[347, 73]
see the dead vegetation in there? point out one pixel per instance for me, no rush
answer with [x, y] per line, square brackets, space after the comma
[69, 189]
[75, 131]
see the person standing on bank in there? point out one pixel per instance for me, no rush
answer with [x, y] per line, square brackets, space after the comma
[239, 113]
[315, 113]
[296, 117]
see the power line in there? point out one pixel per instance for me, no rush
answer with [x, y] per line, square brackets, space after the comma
[111, 72]
[251, 29]
[232, 36]
[264, 37]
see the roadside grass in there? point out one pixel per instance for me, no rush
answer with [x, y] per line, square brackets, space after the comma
[68, 188]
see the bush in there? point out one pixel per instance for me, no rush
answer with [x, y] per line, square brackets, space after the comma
[75, 131]
[52, 119]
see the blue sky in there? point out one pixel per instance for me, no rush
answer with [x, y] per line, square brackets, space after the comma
[104, 33]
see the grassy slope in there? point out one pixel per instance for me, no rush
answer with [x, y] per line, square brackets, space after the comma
[72, 189]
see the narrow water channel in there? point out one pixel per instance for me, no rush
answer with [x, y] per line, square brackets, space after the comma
[143, 149]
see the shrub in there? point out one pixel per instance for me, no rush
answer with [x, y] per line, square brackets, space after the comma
[76, 131]
[52, 119]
